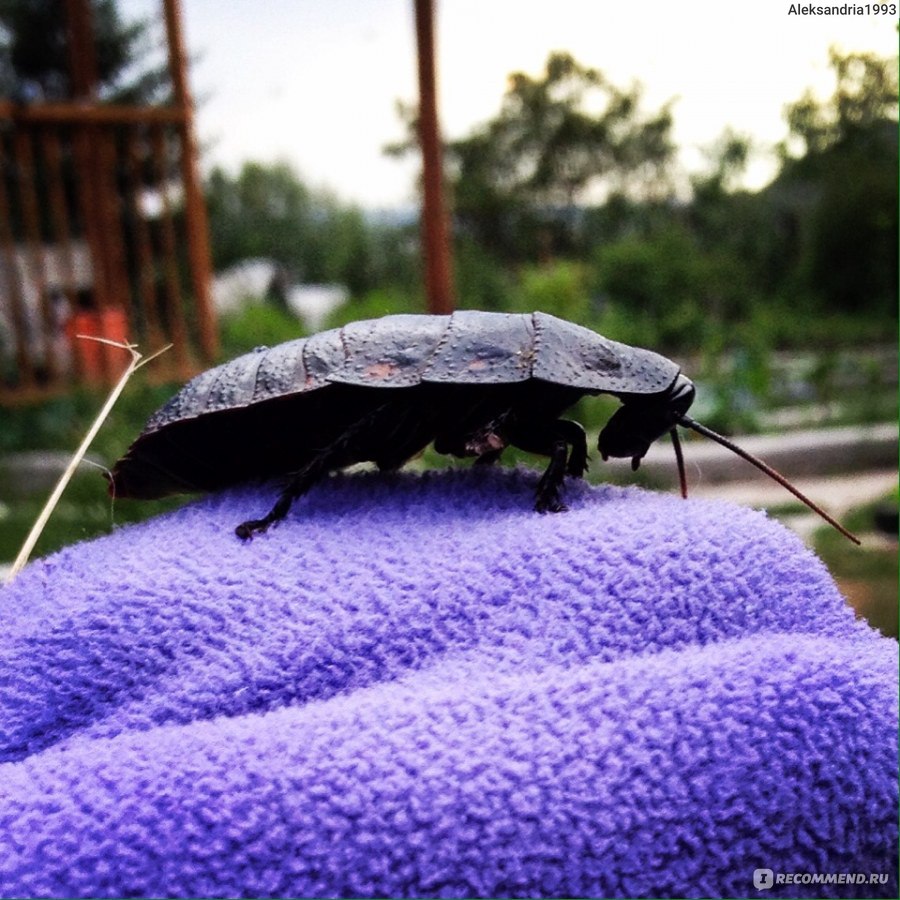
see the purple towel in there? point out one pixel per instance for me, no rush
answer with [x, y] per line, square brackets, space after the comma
[417, 686]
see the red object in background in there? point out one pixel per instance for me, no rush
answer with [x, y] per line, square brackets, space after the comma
[97, 362]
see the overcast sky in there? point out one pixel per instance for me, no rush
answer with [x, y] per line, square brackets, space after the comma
[315, 82]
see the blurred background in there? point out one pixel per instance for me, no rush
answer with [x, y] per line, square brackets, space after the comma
[219, 176]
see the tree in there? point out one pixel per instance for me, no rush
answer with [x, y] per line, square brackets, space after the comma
[835, 199]
[726, 219]
[34, 54]
[559, 140]
[864, 99]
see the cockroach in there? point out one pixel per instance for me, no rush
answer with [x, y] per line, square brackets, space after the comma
[471, 383]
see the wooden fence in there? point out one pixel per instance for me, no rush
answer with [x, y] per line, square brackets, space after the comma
[102, 231]
[95, 237]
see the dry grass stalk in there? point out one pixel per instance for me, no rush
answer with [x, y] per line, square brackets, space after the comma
[137, 361]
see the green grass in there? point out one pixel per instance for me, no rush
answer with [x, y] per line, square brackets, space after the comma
[867, 575]
[85, 511]
[255, 326]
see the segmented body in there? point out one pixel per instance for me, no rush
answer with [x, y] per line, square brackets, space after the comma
[381, 390]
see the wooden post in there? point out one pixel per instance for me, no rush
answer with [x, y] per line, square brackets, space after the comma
[96, 131]
[83, 73]
[31, 224]
[195, 206]
[59, 216]
[143, 245]
[435, 230]
[95, 150]
[174, 305]
[18, 312]
[82, 52]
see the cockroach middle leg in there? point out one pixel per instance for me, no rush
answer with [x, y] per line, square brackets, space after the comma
[553, 439]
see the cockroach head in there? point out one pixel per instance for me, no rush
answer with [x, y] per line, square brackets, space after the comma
[643, 418]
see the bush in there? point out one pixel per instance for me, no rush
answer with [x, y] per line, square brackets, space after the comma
[374, 304]
[559, 288]
[254, 325]
[481, 281]
[676, 292]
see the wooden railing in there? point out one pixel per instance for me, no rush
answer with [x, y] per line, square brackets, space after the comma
[97, 233]
[102, 229]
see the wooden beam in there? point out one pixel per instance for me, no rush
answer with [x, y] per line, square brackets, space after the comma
[96, 163]
[195, 205]
[435, 230]
[174, 306]
[89, 113]
[31, 223]
[17, 308]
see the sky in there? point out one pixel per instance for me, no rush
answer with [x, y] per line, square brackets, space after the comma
[315, 82]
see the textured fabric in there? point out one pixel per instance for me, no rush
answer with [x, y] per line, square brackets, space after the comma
[417, 686]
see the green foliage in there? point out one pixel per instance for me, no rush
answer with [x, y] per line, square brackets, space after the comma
[559, 288]
[735, 370]
[865, 96]
[268, 211]
[836, 202]
[482, 282]
[259, 324]
[263, 212]
[851, 258]
[372, 305]
[785, 324]
[792, 265]
[85, 511]
[47, 425]
[394, 261]
[60, 423]
[517, 179]
[668, 285]
[548, 145]
[648, 275]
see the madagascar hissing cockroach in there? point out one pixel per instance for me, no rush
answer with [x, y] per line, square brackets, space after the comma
[471, 383]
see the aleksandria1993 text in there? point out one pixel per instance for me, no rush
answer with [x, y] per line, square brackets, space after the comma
[844, 9]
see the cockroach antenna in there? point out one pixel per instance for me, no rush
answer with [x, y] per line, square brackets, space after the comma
[693, 424]
[679, 459]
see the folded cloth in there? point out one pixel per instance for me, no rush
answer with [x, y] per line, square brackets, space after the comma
[415, 686]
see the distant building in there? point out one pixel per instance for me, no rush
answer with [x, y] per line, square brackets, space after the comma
[260, 280]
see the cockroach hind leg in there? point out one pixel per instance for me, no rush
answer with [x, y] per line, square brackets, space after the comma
[246, 530]
[282, 506]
